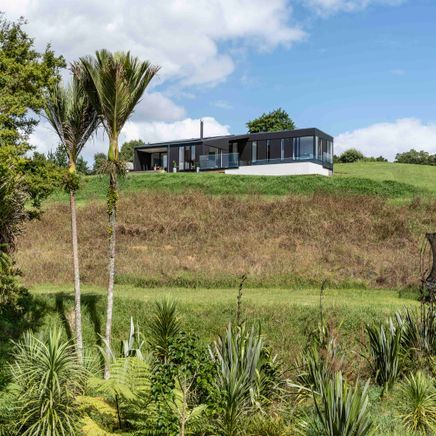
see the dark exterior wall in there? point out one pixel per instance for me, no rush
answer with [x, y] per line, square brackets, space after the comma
[245, 151]
[174, 156]
[141, 161]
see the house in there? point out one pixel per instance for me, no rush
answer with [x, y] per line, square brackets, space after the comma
[290, 152]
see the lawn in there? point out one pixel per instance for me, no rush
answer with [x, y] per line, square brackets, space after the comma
[369, 178]
[420, 176]
[287, 316]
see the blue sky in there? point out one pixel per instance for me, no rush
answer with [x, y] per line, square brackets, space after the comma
[361, 70]
[354, 69]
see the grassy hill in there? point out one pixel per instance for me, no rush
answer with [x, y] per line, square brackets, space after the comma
[420, 176]
[369, 178]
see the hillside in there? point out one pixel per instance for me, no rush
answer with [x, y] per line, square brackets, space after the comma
[420, 176]
[372, 178]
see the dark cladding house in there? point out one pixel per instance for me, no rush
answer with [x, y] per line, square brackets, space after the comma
[303, 151]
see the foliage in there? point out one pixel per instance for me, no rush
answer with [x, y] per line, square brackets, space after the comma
[60, 159]
[243, 382]
[46, 380]
[350, 155]
[341, 410]
[385, 352]
[72, 117]
[25, 74]
[126, 152]
[179, 405]
[24, 183]
[99, 163]
[274, 121]
[419, 331]
[416, 157]
[163, 327]
[419, 403]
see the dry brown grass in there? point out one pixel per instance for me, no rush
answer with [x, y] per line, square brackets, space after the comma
[192, 237]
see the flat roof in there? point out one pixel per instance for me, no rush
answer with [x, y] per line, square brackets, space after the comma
[313, 131]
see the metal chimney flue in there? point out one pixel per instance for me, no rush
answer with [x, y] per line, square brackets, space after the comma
[201, 129]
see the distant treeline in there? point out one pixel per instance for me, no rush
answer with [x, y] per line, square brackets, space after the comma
[409, 157]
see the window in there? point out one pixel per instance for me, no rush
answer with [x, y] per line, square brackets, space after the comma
[268, 149]
[305, 147]
[282, 149]
[181, 158]
[254, 151]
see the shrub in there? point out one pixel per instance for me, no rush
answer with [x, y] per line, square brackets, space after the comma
[341, 410]
[47, 379]
[244, 380]
[385, 352]
[350, 155]
[419, 403]
[416, 157]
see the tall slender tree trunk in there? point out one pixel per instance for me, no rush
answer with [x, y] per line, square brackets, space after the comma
[76, 270]
[111, 203]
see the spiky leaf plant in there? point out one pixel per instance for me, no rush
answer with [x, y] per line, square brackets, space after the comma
[241, 381]
[385, 352]
[419, 403]
[163, 326]
[47, 379]
[341, 409]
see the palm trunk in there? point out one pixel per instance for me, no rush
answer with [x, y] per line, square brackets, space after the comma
[112, 199]
[76, 270]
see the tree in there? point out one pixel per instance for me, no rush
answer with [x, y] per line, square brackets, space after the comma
[74, 120]
[115, 82]
[416, 157]
[100, 160]
[24, 75]
[351, 155]
[274, 121]
[126, 153]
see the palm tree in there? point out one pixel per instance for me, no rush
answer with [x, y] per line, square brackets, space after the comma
[74, 119]
[115, 82]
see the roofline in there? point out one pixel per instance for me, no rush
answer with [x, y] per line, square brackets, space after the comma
[194, 141]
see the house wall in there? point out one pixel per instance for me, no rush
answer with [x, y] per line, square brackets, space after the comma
[286, 169]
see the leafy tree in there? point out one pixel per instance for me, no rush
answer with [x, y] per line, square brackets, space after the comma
[351, 155]
[274, 121]
[126, 152]
[24, 74]
[100, 160]
[82, 166]
[74, 120]
[416, 157]
[115, 82]
[60, 158]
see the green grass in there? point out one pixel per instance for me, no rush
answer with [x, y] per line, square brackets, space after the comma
[286, 315]
[381, 179]
[420, 176]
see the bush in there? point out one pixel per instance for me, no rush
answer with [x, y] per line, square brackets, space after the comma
[47, 378]
[385, 352]
[350, 155]
[341, 410]
[419, 404]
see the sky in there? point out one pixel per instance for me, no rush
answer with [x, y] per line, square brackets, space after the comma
[363, 71]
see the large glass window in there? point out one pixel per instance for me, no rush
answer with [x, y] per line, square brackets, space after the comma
[268, 149]
[181, 158]
[282, 149]
[306, 147]
[254, 151]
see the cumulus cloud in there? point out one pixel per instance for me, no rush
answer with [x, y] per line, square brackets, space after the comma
[388, 139]
[327, 7]
[184, 37]
[45, 140]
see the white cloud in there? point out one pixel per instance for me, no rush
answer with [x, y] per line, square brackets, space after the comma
[185, 37]
[149, 131]
[155, 106]
[328, 7]
[388, 139]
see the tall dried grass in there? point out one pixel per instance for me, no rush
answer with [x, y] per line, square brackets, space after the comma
[193, 238]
